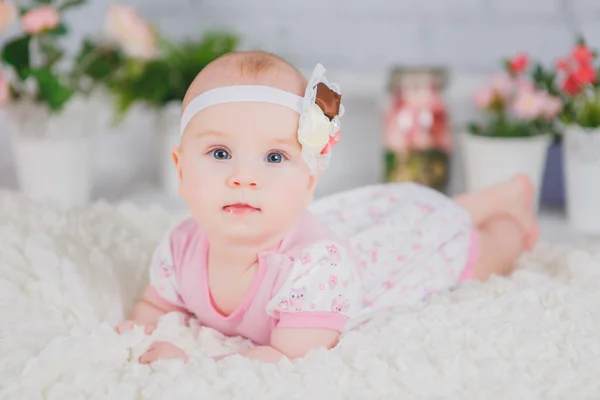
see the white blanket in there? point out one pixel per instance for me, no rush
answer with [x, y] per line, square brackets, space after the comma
[67, 277]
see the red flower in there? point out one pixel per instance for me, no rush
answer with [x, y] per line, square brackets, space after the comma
[519, 63]
[582, 54]
[571, 85]
[563, 64]
[585, 75]
[578, 69]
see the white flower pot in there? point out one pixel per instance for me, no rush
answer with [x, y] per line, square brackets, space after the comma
[54, 169]
[490, 160]
[168, 119]
[582, 178]
[52, 153]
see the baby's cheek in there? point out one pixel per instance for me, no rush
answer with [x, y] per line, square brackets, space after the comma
[200, 192]
[294, 193]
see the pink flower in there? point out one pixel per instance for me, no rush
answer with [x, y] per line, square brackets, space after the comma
[135, 35]
[523, 85]
[529, 105]
[40, 19]
[503, 85]
[484, 97]
[500, 88]
[552, 106]
[8, 14]
[4, 90]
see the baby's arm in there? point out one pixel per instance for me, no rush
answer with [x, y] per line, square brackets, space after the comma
[151, 307]
[161, 296]
[313, 305]
[292, 343]
[147, 311]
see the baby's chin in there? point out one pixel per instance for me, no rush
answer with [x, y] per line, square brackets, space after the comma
[248, 229]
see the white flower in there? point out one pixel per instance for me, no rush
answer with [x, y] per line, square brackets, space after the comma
[314, 129]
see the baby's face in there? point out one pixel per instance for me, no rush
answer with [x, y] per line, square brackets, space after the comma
[241, 171]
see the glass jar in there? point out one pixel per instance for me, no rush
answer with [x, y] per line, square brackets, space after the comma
[416, 129]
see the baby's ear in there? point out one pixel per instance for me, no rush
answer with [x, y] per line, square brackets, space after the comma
[176, 155]
[312, 186]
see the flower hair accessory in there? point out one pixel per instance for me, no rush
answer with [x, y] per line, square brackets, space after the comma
[319, 125]
[320, 111]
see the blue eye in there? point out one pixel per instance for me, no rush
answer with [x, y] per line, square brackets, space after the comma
[221, 154]
[275, 158]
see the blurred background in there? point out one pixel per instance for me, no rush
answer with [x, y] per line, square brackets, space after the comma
[410, 71]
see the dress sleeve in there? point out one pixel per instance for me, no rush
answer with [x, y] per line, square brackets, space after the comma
[163, 274]
[322, 290]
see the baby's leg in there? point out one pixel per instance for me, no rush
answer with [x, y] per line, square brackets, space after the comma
[500, 245]
[512, 198]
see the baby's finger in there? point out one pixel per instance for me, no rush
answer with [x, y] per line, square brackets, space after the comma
[148, 357]
[149, 328]
[124, 327]
[152, 347]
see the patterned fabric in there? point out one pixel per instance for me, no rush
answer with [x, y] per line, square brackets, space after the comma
[409, 241]
[353, 254]
[163, 276]
[324, 278]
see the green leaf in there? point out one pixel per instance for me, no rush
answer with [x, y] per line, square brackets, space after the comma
[159, 81]
[52, 52]
[52, 91]
[16, 54]
[70, 4]
[474, 128]
[98, 61]
[590, 115]
[60, 30]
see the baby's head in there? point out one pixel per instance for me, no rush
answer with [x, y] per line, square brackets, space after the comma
[243, 172]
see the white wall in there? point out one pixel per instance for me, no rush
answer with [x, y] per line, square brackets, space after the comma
[357, 41]
[467, 35]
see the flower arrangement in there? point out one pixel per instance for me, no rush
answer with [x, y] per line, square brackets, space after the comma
[514, 105]
[156, 71]
[31, 66]
[579, 86]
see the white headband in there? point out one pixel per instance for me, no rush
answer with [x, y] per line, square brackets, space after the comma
[317, 133]
[249, 93]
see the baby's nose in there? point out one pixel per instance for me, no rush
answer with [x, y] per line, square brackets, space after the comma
[243, 180]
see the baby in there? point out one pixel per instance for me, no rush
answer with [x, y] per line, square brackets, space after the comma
[253, 261]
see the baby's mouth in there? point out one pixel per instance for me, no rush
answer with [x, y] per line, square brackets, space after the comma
[240, 208]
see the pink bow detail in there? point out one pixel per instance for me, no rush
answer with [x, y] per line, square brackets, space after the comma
[332, 142]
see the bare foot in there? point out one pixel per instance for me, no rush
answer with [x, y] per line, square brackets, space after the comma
[521, 207]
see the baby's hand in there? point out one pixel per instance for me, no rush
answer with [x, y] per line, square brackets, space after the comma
[162, 351]
[129, 324]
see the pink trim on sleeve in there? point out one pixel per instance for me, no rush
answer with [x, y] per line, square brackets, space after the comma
[467, 273]
[313, 320]
[160, 298]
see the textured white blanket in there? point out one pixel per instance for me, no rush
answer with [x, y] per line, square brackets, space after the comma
[67, 277]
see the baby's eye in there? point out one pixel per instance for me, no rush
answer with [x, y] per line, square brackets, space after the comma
[293, 296]
[301, 295]
[221, 154]
[275, 158]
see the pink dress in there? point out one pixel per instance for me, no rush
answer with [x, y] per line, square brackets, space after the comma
[352, 254]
